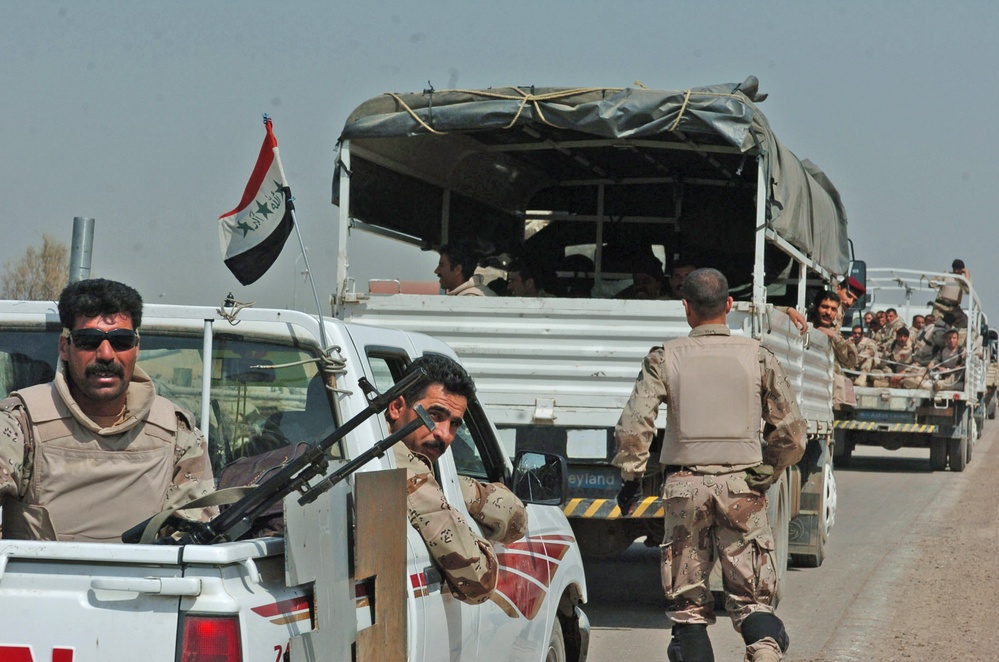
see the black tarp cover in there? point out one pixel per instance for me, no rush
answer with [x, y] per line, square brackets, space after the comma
[803, 207]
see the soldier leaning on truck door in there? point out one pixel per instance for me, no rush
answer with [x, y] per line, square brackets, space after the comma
[467, 561]
[717, 388]
[96, 451]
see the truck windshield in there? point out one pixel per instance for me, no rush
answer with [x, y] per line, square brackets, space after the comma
[264, 395]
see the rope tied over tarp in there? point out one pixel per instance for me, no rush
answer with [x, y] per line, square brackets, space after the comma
[525, 98]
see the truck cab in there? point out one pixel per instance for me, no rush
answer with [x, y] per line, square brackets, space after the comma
[257, 380]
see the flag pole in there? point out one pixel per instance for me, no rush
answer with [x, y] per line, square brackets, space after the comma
[308, 270]
[290, 206]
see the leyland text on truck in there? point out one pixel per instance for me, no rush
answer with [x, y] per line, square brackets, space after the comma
[585, 183]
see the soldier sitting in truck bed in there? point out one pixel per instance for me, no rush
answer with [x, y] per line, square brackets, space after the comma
[96, 451]
[947, 367]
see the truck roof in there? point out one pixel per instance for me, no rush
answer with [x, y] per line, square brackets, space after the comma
[497, 148]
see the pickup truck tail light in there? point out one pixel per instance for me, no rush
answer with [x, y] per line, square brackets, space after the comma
[210, 639]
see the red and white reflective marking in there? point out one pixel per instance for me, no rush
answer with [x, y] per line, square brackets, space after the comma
[526, 570]
[24, 654]
[285, 611]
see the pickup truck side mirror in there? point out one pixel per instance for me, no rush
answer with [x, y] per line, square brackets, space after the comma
[541, 478]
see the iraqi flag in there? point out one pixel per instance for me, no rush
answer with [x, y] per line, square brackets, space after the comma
[253, 234]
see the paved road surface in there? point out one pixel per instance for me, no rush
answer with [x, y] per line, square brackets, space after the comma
[886, 499]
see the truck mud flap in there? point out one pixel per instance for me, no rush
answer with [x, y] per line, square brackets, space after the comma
[608, 508]
[874, 426]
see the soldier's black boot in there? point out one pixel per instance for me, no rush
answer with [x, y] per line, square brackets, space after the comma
[762, 625]
[693, 644]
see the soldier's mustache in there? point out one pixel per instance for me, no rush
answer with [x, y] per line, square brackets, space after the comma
[104, 369]
[437, 445]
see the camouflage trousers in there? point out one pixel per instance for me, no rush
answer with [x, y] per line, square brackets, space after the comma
[711, 517]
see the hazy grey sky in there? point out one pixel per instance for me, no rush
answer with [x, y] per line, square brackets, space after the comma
[147, 116]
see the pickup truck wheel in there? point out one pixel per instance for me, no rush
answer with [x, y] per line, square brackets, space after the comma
[938, 454]
[556, 643]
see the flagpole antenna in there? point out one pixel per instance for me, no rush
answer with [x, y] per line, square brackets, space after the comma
[308, 270]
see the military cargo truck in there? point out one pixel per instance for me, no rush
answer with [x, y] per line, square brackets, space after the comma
[585, 183]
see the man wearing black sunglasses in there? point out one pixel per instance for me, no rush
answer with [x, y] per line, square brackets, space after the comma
[96, 451]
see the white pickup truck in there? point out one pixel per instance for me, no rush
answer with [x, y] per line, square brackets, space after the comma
[311, 595]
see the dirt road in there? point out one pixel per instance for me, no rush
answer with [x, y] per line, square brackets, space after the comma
[909, 575]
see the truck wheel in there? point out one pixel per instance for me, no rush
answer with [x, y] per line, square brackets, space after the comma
[556, 643]
[823, 523]
[603, 537]
[780, 524]
[845, 458]
[957, 452]
[938, 454]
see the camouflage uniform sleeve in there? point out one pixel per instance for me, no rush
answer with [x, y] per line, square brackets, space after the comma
[192, 472]
[784, 428]
[637, 426]
[497, 510]
[845, 351]
[467, 561]
[15, 449]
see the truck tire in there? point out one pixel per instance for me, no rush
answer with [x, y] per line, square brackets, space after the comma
[843, 448]
[780, 522]
[556, 643]
[938, 454]
[602, 538]
[822, 523]
[957, 452]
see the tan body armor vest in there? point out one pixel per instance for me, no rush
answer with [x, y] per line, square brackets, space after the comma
[89, 487]
[950, 292]
[713, 408]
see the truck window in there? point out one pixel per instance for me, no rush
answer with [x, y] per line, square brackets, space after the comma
[27, 358]
[264, 395]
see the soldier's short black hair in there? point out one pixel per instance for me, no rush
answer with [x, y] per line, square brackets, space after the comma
[441, 370]
[98, 296]
[706, 291]
[460, 255]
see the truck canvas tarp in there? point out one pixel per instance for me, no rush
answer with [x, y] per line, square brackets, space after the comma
[492, 151]
[582, 184]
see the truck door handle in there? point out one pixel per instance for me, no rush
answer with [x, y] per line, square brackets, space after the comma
[180, 586]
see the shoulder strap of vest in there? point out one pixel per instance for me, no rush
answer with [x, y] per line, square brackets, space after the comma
[43, 403]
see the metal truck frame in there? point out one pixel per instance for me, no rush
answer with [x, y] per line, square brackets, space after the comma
[689, 174]
[947, 422]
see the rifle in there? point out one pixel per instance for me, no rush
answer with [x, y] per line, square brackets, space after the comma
[238, 518]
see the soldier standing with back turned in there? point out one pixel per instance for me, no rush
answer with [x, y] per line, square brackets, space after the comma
[718, 468]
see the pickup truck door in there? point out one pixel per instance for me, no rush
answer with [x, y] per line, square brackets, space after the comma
[515, 623]
[440, 627]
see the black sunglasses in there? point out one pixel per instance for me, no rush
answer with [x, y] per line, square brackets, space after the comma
[90, 339]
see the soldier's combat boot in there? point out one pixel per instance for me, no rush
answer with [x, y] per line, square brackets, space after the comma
[695, 646]
[764, 635]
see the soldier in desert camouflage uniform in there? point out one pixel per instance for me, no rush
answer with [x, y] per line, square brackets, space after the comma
[717, 388]
[466, 559]
[96, 451]
[867, 355]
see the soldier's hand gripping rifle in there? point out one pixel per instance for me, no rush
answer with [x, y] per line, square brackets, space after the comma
[238, 518]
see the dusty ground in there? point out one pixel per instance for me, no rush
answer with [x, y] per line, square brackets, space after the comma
[943, 606]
